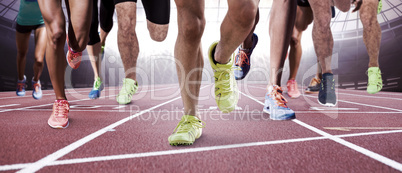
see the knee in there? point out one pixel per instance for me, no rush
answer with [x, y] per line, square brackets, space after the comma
[243, 12]
[193, 28]
[158, 32]
[294, 41]
[39, 61]
[56, 37]
[322, 22]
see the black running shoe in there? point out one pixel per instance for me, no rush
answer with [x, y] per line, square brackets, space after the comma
[326, 95]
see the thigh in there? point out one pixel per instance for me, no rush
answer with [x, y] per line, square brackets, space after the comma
[157, 11]
[22, 40]
[304, 17]
[40, 42]
[80, 14]
[53, 15]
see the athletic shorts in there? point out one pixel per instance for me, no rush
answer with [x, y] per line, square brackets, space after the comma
[27, 28]
[157, 11]
[106, 19]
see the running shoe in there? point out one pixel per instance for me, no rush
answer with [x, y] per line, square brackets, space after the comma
[326, 95]
[36, 90]
[96, 89]
[293, 91]
[59, 117]
[275, 105]
[379, 8]
[73, 58]
[21, 84]
[374, 80]
[314, 86]
[242, 60]
[226, 92]
[129, 88]
[187, 131]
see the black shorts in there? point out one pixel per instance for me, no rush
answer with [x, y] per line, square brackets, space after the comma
[27, 28]
[106, 19]
[157, 11]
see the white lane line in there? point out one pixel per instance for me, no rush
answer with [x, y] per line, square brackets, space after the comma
[362, 104]
[2, 106]
[182, 151]
[72, 101]
[374, 97]
[357, 148]
[361, 128]
[392, 163]
[60, 153]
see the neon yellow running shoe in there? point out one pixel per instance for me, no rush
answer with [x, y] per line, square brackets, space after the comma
[226, 92]
[374, 80]
[187, 131]
[129, 88]
[379, 8]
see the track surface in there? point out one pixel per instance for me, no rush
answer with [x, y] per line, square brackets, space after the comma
[363, 133]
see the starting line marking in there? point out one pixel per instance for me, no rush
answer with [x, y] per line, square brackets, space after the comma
[182, 151]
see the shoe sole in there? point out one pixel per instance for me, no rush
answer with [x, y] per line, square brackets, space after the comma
[59, 127]
[328, 104]
[311, 92]
[277, 119]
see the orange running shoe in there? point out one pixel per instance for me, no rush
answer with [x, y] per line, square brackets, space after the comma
[59, 118]
[73, 58]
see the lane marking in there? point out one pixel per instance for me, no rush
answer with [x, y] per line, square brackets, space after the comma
[374, 97]
[2, 106]
[392, 163]
[361, 128]
[72, 101]
[362, 104]
[332, 108]
[60, 153]
[190, 150]
[371, 154]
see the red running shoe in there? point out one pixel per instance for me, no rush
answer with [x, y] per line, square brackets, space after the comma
[59, 118]
[73, 58]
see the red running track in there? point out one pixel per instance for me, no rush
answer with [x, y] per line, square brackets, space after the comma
[363, 133]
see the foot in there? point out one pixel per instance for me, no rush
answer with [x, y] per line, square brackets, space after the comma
[59, 117]
[374, 80]
[37, 90]
[96, 89]
[293, 91]
[73, 58]
[314, 86]
[275, 105]
[187, 131]
[21, 84]
[129, 88]
[242, 60]
[326, 95]
[226, 92]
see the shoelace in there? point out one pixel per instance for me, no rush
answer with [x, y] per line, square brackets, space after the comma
[61, 110]
[20, 86]
[242, 58]
[186, 125]
[36, 87]
[374, 80]
[325, 86]
[130, 91]
[224, 80]
[276, 94]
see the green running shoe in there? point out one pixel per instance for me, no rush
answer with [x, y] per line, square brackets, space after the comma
[129, 88]
[187, 131]
[374, 80]
[96, 89]
[226, 92]
[379, 7]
